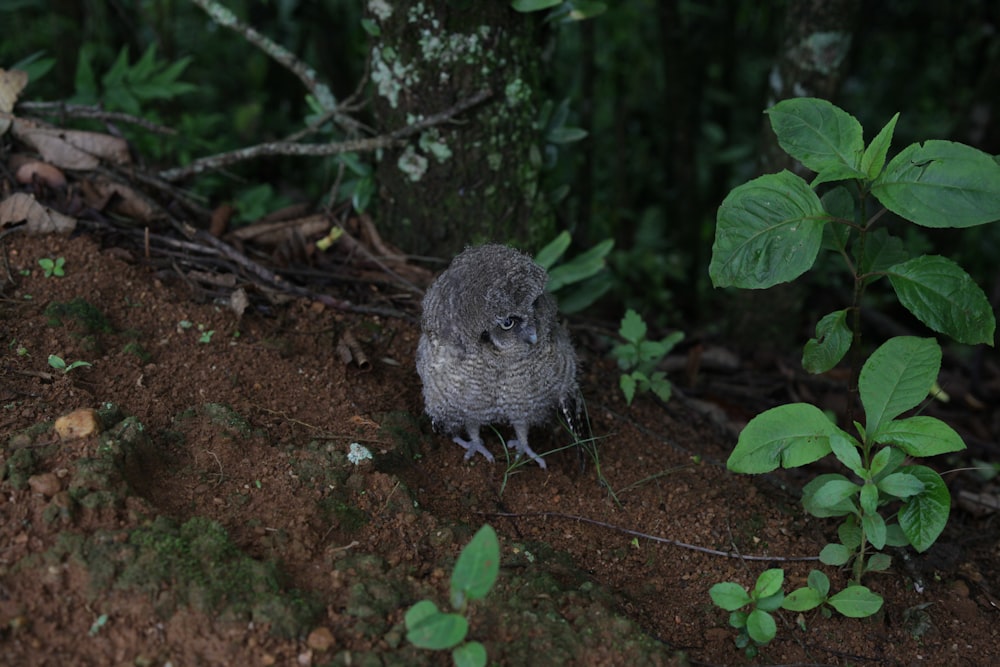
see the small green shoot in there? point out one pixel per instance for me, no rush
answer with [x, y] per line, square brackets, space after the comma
[579, 281]
[638, 358]
[57, 362]
[751, 612]
[475, 573]
[53, 267]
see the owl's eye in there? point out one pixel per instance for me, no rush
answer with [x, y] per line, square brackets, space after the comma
[507, 323]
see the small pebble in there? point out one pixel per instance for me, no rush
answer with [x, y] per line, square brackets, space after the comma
[78, 424]
[320, 639]
[46, 484]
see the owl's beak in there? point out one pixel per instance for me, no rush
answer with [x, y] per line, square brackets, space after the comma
[528, 334]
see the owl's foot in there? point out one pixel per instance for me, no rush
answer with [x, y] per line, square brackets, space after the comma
[522, 449]
[473, 447]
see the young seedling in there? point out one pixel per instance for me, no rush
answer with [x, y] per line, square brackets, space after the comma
[638, 358]
[53, 267]
[59, 364]
[475, 573]
[772, 229]
[751, 612]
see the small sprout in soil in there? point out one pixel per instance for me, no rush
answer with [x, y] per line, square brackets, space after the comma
[474, 575]
[53, 267]
[98, 624]
[57, 362]
[206, 337]
[639, 357]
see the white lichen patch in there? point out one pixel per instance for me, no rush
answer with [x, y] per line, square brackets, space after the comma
[412, 164]
[358, 453]
[432, 143]
[390, 75]
[380, 8]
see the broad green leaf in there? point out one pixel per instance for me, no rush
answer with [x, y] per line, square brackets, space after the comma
[835, 555]
[874, 158]
[768, 231]
[477, 567]
[802, 599]
[832, 341]
[897, 377]
[761, 626]
[817, 133]
[840, 203]
[818, 507]
[771, 602]
[428, 628]
[627, 384]
[874, 527]
[878, 562]
[471, 654]
[880, 461]
[901, 485]
[856, 602]
[789, 436]
[881, 251]
[941, 184]
[849, 533]
[565, 135]
[581, 267]
[819, 582]
[945, 298]
[533, 5]
[920, 436]
[895, 537]
[836, 172]
[553, 250]
[633, 327]
[834, 492]
[769, 582]
[575, 298]
[868, 499]
[729, 595]
[924, 515]
[847, 453]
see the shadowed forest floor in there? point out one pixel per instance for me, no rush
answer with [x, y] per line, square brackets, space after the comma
[214, 516]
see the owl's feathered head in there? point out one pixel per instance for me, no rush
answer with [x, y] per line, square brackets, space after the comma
[490, 289]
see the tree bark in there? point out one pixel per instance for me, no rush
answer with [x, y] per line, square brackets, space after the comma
[812, 62]
[475, 180]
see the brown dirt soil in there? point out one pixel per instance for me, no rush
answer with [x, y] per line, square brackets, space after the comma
[217, 519]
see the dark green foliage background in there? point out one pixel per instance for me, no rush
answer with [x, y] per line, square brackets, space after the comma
[671, 93]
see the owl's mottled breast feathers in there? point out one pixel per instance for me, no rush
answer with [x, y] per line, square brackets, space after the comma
[492, 350]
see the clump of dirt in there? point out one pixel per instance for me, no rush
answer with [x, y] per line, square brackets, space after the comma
[223, 511]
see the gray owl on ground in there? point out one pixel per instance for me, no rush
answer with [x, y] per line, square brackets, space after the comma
[492, 350]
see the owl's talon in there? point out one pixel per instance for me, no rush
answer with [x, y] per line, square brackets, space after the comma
[523, 449]
[473, 447]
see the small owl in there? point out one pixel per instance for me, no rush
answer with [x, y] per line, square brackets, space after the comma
[492, 350]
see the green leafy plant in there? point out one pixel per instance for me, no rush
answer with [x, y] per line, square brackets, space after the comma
[751, 612]
[59, 364]
[126, 86]
[771, 230]
[474, 575]
[53, 267]
[638, 358]
[579, 281]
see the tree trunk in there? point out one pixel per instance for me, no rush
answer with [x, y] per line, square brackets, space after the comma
[812, 62]
[474, 180]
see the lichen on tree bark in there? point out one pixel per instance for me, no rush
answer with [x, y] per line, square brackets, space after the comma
[474, 180]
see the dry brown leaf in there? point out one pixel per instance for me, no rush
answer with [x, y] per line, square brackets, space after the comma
[29, 171]
[102, 194]
[22, 207]
[270, 234]
[71, 149]
[12, 82]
